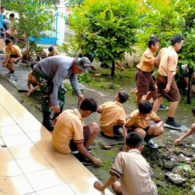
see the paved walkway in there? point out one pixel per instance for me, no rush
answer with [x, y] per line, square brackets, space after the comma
[28, 162]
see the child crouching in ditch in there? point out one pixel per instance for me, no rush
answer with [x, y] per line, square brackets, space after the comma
[113, 115]
[187, 134]
[139, 121]
[136, 176]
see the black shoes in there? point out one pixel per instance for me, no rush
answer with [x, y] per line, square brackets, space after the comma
[117, 133]
[76, 151]
[83, 159]
[172, 124]
[162, 107]
[47, 122]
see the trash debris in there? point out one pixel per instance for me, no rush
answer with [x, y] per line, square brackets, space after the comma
[173, 158]
[193, 146]
[193, 187]
[175, 178]
[183, 157]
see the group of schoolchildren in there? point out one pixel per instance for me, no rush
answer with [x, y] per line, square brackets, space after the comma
[70, 136]
[136, 177]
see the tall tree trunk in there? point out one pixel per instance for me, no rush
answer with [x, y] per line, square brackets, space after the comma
[191, 74]
[113, 69]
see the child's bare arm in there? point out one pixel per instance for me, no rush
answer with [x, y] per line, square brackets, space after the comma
[33, 89]
[85, 153]
[44, 53]
[6, 60]
[29, 85]
[99, 186]
[157, 60]
[124, 131]
[190, 132]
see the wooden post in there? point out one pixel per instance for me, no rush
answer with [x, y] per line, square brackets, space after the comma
[113, 69]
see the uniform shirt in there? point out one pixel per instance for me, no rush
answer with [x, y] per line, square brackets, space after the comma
[54, 52]
[69, 125]
[136, 119]
[168, 62]
[58, 68]
[147, 61]
[135, 174]
[112, 114]
[14, 51]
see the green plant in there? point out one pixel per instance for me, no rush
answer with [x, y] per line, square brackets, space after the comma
[34, 19]
[86, 78]
[71, 48]
[76, 2]
[105, 28]
[163, 19]
[54, 2]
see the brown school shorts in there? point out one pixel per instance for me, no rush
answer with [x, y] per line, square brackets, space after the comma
[173, 95]
[14, 56]
[86, 134]
[132, 129]
[144, 82]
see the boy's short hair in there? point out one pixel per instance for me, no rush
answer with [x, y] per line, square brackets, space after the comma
[145, 107]
[176, 39]
[193, 110]
[89, 104]
[153, 41]
[2, 7]
[32, 65]
[134, 140]
[50, 49]
[123, 96]
[7, 41]
[12, 15]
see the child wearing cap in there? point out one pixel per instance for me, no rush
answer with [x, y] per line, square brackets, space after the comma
[70, 135]
[135, 174]
[144, 80]
[113, 115]
[167, 87]
[139, 121]
[187, 134]
[52, 52]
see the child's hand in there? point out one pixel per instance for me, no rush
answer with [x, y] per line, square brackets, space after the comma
[98, 185]
[177, 141]
[4, 63]
[28, 93]
[56, 109]
[167, 89]
[100, 110]
[97, 162]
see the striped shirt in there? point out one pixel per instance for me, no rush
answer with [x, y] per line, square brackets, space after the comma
[135, 173]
